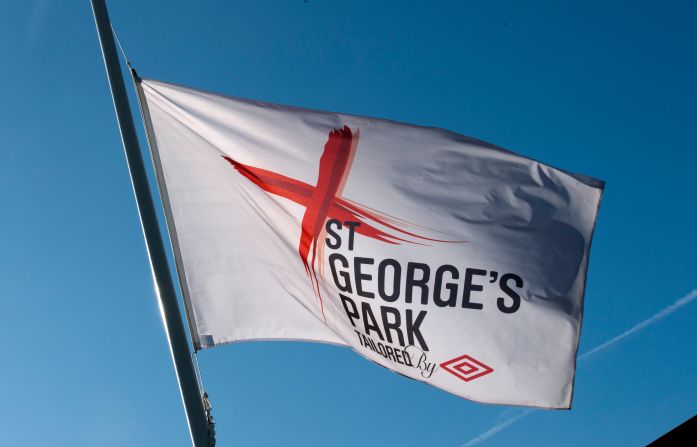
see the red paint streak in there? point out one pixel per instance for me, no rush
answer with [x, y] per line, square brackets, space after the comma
[323, 201]
[340, 209]
[332, 165]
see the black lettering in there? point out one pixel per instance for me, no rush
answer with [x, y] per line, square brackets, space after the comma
[346, 287]
[470, 287]
[352, 229]
[398, 356]
[332, 233]
[389, 326]
[390, 354]
[372, 343]
[359, 276]
[501, 302]
[414, 329]
[369, 321]
[412, 282]
[367, 343]
[450, 286]
[407, 358]
[360, 340]
[396, 279]
[352, 314]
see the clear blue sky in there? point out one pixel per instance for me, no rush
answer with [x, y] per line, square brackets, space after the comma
[603, 88]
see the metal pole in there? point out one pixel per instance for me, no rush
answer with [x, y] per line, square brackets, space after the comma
[164, 286]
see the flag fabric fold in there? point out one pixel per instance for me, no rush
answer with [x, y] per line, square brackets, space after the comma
[440, 257]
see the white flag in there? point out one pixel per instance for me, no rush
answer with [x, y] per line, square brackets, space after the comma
[440, 257]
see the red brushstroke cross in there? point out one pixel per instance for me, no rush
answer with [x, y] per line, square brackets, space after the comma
[324, 201]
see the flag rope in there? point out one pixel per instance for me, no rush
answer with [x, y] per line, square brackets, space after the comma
[118, 43]
[199, 378]
[207, 406]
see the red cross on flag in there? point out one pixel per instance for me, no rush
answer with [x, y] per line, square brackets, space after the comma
[443, 258]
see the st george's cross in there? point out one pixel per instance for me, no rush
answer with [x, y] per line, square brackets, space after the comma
[325, 201]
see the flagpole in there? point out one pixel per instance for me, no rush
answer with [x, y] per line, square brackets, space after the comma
[164, 286]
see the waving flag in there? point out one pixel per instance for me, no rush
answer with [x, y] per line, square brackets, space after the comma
[443, 258]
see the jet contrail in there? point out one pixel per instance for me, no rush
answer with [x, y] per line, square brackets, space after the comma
[497, 428]
[648, 322]
[687, 299]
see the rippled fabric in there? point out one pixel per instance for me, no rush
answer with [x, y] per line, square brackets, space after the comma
[441, 257]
